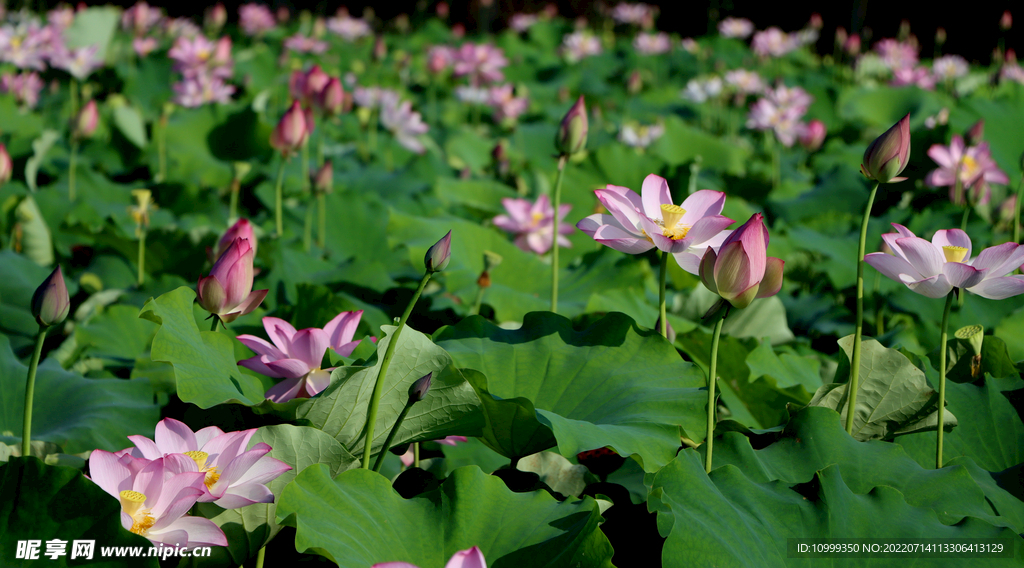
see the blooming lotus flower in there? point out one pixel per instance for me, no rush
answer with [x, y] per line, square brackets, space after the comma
[896, 54]
[154, 496]
[972, 165]
[637, 14]
[297, 356]
[405, 124]
[255, 19]
[531, 223]
[639, 223]
[736, 27]
[652, 44]
[232, 476]
[79, 62]
[934, 268]
[471, 558]
[50, 303]
[774, 42]
[741, 270]
[227, 292]
[349, 28]
[579, 45]
[887, 156]
[481, 62]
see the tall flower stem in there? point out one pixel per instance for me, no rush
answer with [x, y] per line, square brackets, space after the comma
[942, 376]
[554, 234]
[391, 435]
[30, 388]
[662, 320]
[321, 232]
[855, 364]
[72, 163]
[216, 320]
[142, 256]
[236, 186]
[378, 387]
[307, 227]
[415, 454]
[279, 198]
[712, 377]
[963, 220]
[259, 556]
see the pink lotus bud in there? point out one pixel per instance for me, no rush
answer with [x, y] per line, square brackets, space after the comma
[6, 167]
[380, 49]
[227, 292]
[635, 83]
[323, 179]
[458, 31]
[889, 154]
[439, 255]
[1006, 21]
[442, 10]
[50, 303]
[283, 15]
[316, 80]
[572, 133]
[242, 229]
[852, 45]
[418, 391]
[216, 17]
[291, 132]
[222, 52]
[976, 132]
[332, 97]
[841, 36]
[86, 121]
[813, 135]
[742, 270]
[815, 22]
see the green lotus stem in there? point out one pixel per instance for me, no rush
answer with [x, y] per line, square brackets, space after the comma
[1016, 212]
[378, 387]
[142, 256]
[391, 435]
[662, 320]
[215, 321]
[712, 377]
[942, 376]
[321, 232]
[73, 95]
[478, 301]
[415, 454]
[279, 198]
[161, 148]
[259, 556]
[554, 235]
[71, 169]
[371, 135]
[233, 203]
[851, 403]
[879, 304]
[30, 388]
[963, 221]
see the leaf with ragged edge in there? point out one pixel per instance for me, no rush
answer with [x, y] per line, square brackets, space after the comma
[357, 520]
[814, 439]
[726, 519]
[116, 334]
[205, 368]
[451, 407]
[76, 413]
[893, 397]
[45, 502]
[786, 369]
[610, 384]
[990, 431]
[250, 528]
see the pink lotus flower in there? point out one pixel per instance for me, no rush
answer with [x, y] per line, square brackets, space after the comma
[813, 135]
[227, 292]
[638, 223]
[896, 54]
[934, 268]
[888, 155]
[408, 458]
[154, 496]
[255, 19]
[482, 63]
[143, 46]
[297, 356]
[6, 167]
[919, 77]
[773, 42]
[742, 270]
[232, 476]
[652, 44]
[79, 62]
[140, 18]
[531, 223]
[349, 28]
[291, 131]
[471, 558]
[241, 229]
[736, 27]
[506, 105]
[638, 14]
[304, 44]
[25, 87]
[307, 87]
[579, 45]
[972, 165]
[405, 124]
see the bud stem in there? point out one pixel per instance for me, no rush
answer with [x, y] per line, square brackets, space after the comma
[378, 387]
[942, 376]
[663, 322]
[712, 378]
[142, 256]
[215, 320]
[236, 186]
[307, 228]
[391, 435]
[554, 234]
[321, 229]
[851, 403]
[30, 388]
[278, 198]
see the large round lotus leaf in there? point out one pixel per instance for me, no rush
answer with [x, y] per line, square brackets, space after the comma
[610, 384]
[357, 520]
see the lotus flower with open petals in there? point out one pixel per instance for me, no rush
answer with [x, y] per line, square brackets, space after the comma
[639, 223]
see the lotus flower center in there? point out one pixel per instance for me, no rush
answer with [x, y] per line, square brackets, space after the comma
[954, 254]
[969, 167]
[671, 216]
[211, 472]
[536, 218]
[132, 503]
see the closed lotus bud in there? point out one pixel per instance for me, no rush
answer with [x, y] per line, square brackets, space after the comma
[976, 132]
[439, 255]
[50, 303]
[889, 154]
[86, 121]
[332, 97]
[323, 180]
[216, 17]
[813, 135]
[221, 52]
[572, 133]
[816, 22]
[315, 82]
[852, 45]
[940, 36]
[242, 229]
[290, 132]
[6, 167]
[418, 391]
[1006, 21]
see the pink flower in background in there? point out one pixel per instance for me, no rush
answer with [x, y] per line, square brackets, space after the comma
[482, 63]
[405, 124]
[773, 42]
[506, 105]
[531, 223]
[736, 27]
[408, 457]
[640, 136]
[652, 44]
[307, 87]
[579, 45]
[140, 18]
[636, 14]
[949, 67]
[471, 558]
[79, 62]
[60, 18]
[745, 82]
[143, 46]
[919, 77]
[638, 223]
[742, 270]
[26, 45]
[304, 44]
[181, 27]
[896, 54]
[297, 356]
[349, 28]
[934, 268]
[813, 135]
[24, 86]
[439, 58]
[255, 19]
[523, 22]
[780, 110]
[233, 477]
[155, 496]
[973, 165]
[201, 89]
